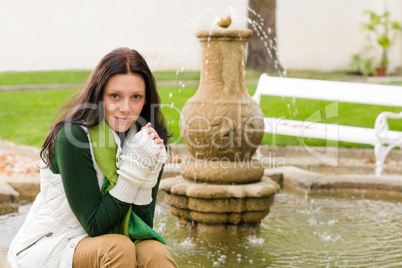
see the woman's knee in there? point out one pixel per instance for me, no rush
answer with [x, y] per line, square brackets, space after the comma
[123, 245]
[105, 250]
[151, 253]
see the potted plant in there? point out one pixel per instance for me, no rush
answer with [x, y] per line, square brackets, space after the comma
[384, 29]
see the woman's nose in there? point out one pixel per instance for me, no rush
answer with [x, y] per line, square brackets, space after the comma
[124, 105]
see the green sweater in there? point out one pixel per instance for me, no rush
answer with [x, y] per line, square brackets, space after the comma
[97, 214]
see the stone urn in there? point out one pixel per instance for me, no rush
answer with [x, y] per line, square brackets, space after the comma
[221, 120]
[222, 186]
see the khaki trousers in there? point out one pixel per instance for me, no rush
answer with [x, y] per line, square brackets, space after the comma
[113, 250]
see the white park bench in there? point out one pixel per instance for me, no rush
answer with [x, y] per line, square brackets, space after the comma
[383, 139]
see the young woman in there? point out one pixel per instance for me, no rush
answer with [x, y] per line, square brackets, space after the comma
[100, 171]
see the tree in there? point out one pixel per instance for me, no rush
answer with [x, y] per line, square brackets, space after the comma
[262, 54]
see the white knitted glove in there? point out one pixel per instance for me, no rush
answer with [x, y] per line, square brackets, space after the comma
[138, 168]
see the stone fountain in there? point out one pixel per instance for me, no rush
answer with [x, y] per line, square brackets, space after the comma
[222, 187]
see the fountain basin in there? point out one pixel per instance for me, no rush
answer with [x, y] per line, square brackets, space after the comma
[219, 207]
[301, 230]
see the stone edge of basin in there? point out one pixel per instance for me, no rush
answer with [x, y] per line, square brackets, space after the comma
[388, 187]
[16, 188]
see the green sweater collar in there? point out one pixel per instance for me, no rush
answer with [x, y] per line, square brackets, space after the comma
[105, 150]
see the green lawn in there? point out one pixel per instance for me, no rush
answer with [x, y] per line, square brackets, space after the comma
[43, 77]
[79, 77]
[25, 116]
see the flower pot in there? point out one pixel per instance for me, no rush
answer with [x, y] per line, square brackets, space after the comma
[381, 71]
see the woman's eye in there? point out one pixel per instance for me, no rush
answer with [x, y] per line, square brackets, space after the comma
[114, 96]
[137, 97]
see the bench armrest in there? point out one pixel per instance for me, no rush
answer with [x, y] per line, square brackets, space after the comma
[382, 128]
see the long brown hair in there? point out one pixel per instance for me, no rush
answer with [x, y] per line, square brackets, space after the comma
[86, 109]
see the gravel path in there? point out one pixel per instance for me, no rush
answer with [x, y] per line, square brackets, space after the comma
[18, 160]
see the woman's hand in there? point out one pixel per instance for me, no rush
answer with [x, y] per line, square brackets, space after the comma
[141, 160]
[153, 134]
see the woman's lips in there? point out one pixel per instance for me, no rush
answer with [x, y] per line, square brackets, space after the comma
[123, 119]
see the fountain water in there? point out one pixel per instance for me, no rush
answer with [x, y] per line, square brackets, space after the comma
[222, 187]
[300, 231]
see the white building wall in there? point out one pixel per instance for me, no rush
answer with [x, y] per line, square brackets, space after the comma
[323, 34]
[74, 34]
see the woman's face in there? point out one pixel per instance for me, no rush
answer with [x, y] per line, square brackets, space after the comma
[124, 98]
